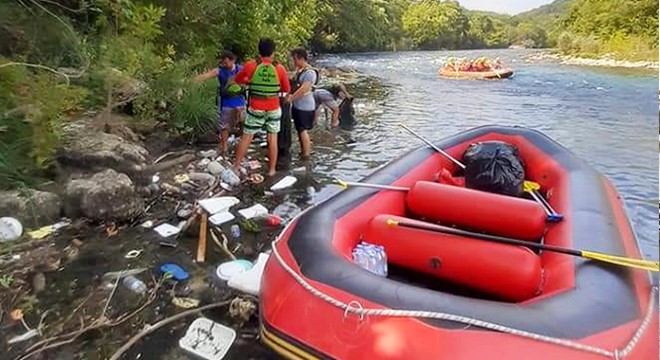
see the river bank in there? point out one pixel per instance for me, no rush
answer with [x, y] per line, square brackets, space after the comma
[606, 60]
[117, 181]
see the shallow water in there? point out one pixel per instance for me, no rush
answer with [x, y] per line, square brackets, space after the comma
[605, 116]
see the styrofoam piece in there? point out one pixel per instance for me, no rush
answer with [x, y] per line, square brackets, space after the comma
[256, 210]
[286, 182]
[219, 204]
[166, 230]
[221, 218]
[227, 270]
[208, 339]
[10, 229]
[250, 281]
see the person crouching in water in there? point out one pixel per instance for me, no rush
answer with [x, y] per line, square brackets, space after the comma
[304, 107]
[330, 98]
[265, 81]
[231, 103]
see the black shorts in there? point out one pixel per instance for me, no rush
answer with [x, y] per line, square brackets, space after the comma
[303, 120]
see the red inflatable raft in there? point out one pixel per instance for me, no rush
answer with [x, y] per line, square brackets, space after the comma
[457, 297]
[495, 74]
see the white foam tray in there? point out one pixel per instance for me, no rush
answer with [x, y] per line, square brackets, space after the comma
[208, 339]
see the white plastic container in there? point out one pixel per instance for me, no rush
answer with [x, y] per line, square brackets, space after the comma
[10, 229]
[208, 339]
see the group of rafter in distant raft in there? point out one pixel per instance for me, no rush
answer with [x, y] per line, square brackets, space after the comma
[479, 68]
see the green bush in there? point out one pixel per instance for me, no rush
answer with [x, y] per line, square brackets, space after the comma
[33, 107]
[196, 113]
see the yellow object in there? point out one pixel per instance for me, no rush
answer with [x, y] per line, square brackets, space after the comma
[342, 183]
[180, 179]
[41, 233]
[530, 186]
[620, 260]
[186, 303]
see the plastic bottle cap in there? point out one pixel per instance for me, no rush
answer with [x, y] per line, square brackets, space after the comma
[226, 270]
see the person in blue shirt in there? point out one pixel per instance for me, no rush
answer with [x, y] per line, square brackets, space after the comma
[231, 101]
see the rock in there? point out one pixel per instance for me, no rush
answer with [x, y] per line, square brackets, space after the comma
[13, 41]
[209, 154]
[202, 177]
[154, 188]
[32, 208]
[86, 147]
[106, 195]
[215, 168]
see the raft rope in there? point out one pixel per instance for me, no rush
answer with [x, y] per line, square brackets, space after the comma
[356, 308]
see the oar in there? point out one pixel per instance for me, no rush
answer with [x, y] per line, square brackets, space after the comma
[434, 147]
[528, 186]
[346, 184]
[532, 189]
[593, 255]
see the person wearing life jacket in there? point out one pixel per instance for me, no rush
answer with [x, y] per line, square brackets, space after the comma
[302, 98]
[230, 99]
[265, 82]
[479, 64]
[497, 64]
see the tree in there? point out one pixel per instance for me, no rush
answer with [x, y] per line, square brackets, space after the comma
[486, 32]
[436, 24]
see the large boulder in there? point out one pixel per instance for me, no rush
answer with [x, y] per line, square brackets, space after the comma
[89, 148]
[32, 208]
[107, 195]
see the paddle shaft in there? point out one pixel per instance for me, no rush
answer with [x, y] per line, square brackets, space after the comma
[373, 186]
[501, 239]
[611, 259]
[460, 164]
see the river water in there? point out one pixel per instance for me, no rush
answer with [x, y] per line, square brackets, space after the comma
[606, 116]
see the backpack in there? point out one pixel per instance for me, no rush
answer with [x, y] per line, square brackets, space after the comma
[297, 83]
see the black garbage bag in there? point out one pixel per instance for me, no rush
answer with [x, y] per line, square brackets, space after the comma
[494, 166]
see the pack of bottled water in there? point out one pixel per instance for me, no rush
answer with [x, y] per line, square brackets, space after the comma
[371, 257]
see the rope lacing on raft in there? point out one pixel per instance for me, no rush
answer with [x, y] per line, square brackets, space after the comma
[356, 308]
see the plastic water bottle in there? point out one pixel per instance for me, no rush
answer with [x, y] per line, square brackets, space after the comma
[360, 258]
[134, 284]
[383, 260]
[235, 231]
[371, 258]
[375, 262]
[230, 177]
[311, 194]
[286, 211]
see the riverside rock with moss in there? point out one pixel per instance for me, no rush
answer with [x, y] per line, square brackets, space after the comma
[86, 147]
[32, 208]
[107, 195]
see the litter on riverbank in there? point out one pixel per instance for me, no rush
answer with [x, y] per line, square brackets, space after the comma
[169, 261]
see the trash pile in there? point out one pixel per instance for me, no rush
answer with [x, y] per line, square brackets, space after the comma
[204, 201]
[211, 196]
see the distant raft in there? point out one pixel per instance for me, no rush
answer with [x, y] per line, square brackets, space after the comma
[493, 74]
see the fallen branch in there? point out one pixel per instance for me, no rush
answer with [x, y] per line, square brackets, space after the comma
[101, 322]
[162, 323]
[222, 246]
[64, 7]
[38, 66]
[168, 164]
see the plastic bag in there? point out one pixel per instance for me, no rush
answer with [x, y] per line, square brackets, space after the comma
[494, 166]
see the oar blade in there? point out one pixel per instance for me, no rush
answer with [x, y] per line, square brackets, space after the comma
[623, 261]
